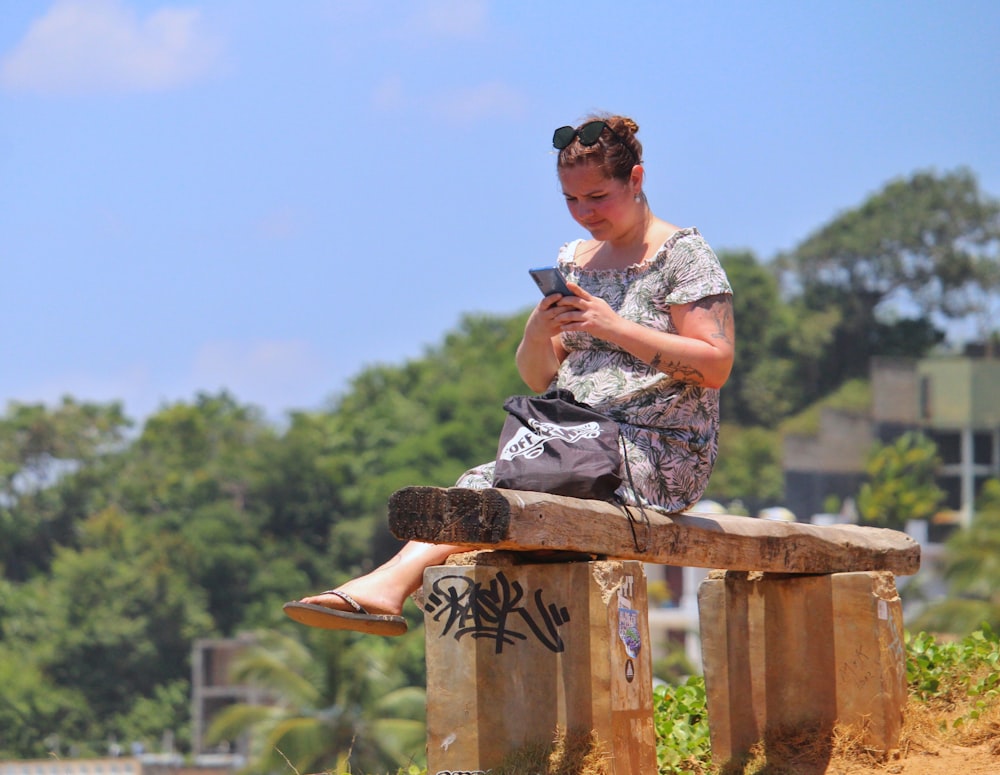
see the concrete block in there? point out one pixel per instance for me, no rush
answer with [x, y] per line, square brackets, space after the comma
[795, 653]
[517, 653]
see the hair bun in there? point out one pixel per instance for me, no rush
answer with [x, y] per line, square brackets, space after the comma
[630, 125]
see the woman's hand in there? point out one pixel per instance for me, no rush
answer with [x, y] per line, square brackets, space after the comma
[541, 352]
[543, 323]
[585, 312]
[700, 353]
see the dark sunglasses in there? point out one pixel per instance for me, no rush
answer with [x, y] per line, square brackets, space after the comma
[589, 134]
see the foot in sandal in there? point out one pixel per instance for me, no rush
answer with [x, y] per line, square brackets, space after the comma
[314, 612]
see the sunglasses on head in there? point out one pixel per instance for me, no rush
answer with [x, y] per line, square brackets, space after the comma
[589, 134]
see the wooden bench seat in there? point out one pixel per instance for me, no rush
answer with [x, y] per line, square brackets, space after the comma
[523, 521]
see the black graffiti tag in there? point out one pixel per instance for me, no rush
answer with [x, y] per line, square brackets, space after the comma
[494, 611]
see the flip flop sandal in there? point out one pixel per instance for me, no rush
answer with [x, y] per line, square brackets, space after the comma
[358, 620]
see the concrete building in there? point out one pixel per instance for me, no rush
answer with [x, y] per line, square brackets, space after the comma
[955, 401]
[213, 689]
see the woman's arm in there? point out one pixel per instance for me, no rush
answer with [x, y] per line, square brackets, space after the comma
[700, 353]
[540, 351]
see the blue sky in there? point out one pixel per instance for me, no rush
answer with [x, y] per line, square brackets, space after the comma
[268, 197]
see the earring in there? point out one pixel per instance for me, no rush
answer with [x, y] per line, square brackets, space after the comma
[638, 198]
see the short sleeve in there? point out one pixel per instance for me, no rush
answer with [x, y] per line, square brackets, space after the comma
[692, 272]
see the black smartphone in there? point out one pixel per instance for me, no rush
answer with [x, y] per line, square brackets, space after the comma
[550, 280]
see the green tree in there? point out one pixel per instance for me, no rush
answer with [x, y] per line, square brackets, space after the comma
[343, 704]
[748, 468]
[35, 716]
[901, 482]
[118, 619]
[926, 237]
[928, 242]
[193, 453]
[972, 571]
[41, 448]
[759, 390]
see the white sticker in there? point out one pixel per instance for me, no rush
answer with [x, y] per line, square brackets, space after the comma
[883, 609]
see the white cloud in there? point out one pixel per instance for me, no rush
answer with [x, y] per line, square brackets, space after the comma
[388, 94]
[274, 374]
[450, 19]
[86, 46]
[485, 101]
[281, 223]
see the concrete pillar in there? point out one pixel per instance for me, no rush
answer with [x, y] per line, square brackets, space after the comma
[798, 653]
[517, 654]
[968, 477]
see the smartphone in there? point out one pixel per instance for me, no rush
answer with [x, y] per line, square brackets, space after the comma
[550, 280]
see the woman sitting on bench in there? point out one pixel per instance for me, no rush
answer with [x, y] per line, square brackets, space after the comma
[647, 338]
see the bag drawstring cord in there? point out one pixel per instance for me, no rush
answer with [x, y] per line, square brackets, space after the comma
[632, 522]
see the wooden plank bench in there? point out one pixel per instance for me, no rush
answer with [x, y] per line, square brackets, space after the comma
[801, 625]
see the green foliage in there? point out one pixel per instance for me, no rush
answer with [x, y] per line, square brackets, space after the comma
[346, 699]
[972, 571]
[757, 392]
[681, 721]
[901, 484]
[117, 620]
[748, 467]
[854, 397]
[116, 553]
[673, 666]
[928, 240]
[40, 448]
[945, 673]
[927, 234]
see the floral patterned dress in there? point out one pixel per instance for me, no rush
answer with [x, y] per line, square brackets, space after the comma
[670, 428]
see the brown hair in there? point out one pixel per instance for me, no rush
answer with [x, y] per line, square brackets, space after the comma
[615, 152]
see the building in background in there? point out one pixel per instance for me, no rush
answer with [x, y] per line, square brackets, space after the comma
[954, 401]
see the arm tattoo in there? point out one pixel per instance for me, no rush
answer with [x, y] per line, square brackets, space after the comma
[678, 371]
[720, 307]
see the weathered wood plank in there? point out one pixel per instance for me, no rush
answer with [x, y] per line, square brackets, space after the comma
[531, 521]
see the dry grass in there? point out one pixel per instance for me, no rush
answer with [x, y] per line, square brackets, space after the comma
[935, 731]
[571, 753]
[928, 727]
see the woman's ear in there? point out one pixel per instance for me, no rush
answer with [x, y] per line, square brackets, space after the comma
[636, 177]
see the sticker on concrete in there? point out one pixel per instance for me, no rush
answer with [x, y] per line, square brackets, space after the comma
[627, 588]
[883, 609]
[628, 630]
[629, 670]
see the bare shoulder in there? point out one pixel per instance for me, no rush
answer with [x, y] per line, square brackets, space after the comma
[661, 231]
[585, 251]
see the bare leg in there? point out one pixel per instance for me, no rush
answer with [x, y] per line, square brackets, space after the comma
[385, 589]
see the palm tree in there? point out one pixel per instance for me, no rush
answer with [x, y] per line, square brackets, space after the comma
[346, 702]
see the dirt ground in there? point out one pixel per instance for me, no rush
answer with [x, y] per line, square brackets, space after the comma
[981, 759]
[930, 744]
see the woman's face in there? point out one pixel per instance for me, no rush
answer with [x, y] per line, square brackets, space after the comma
[604, 206]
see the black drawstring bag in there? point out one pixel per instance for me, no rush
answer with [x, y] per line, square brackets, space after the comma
[553, 443]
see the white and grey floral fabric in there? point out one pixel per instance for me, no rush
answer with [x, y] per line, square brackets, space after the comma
[670, 427]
